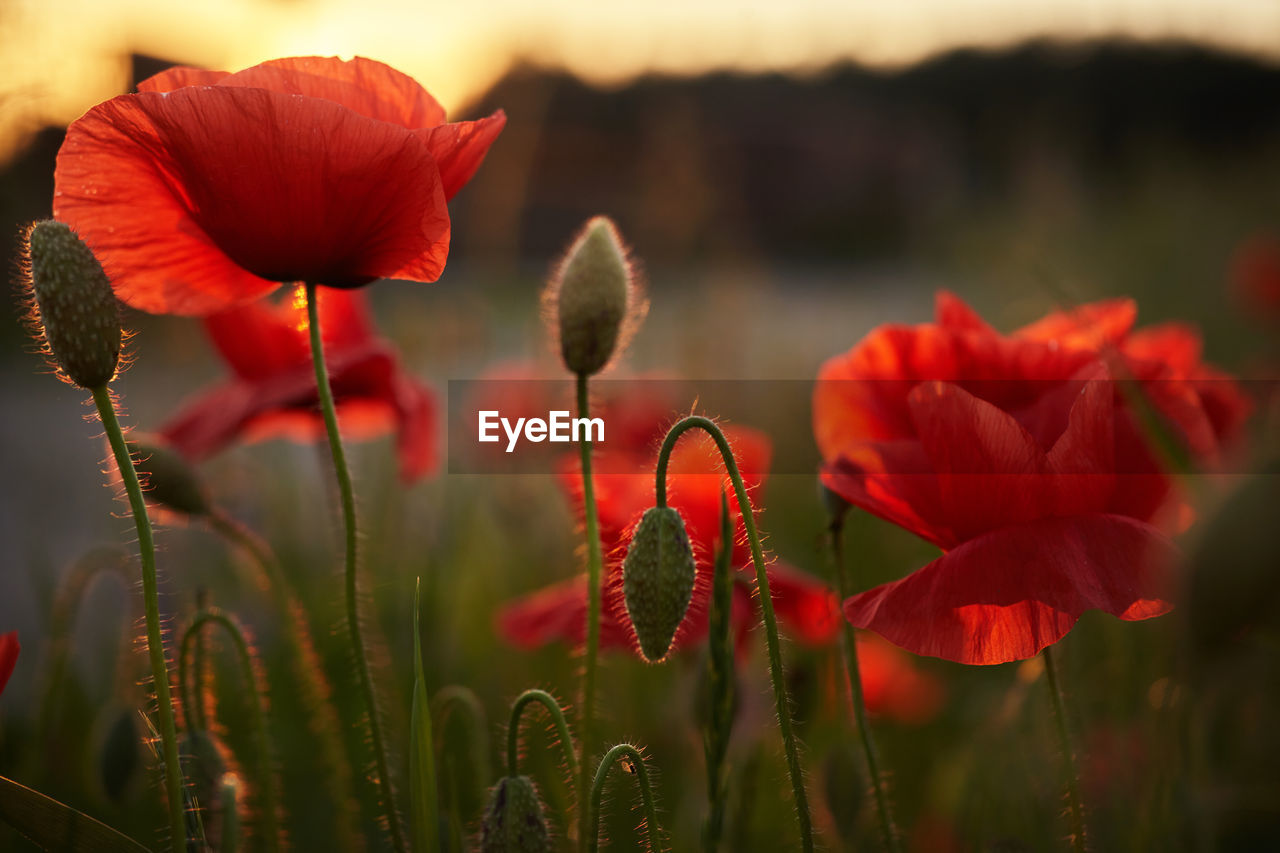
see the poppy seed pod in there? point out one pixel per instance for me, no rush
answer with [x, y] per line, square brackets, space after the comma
[168, 479]
[657, 579]
[591, 296]
[513, 820]
[78, 315]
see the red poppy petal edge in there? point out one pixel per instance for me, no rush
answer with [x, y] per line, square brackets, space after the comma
[191, 214]
[460, 147]
[371, 88]
[179, 76]
[1006, 595]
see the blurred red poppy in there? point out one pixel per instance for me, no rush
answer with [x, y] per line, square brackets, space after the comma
[892, 686]
[273, 392]
[695, 481]
[208, 189]
[1024, 461]
[8, 656]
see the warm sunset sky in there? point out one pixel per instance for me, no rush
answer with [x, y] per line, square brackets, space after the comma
[58, 57]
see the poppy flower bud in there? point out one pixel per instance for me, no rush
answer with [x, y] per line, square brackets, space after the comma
[513, 821]
[168, 479]
[657, 579]
[77, 313]
[593, 298]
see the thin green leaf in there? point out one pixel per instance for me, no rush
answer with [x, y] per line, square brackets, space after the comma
[55, 826]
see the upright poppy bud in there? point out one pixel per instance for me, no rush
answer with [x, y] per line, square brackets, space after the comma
[657, 579]
[76, 311]
[513, 820]
[593, 298]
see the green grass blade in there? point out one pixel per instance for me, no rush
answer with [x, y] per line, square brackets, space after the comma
[55, 826]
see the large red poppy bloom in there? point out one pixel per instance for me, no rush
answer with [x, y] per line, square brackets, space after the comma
[207, 189]
[8, 656]
[695, 481]
[1024, 460]
[273, 389]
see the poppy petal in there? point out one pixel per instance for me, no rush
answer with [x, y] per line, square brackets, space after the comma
[460, 147]
[8, 656]
[365, 86]
[372, 396]
[224, 220]
[894, 481]
[1096, 325]
[265, 338]
[988, 466]
[179, 76]
[804, 604]
[1006, 595]
[415, 410]
[951, 312]
[558, 613]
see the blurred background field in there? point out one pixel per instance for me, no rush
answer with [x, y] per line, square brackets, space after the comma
[781, 207]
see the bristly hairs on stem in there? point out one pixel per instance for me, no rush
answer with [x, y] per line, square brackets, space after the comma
[795, 771]
[631, 758]
[563, 732]
[271, 830]
[382, 765]
[266, 573]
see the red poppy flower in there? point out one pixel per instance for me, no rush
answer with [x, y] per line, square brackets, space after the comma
[208, 189]
[695, 480]
[1022, 459]
[892, 686]
[273, 391]
[8, 656]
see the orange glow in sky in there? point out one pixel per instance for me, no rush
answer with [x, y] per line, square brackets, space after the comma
[59, 57]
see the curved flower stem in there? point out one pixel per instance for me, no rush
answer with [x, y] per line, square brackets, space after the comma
[849, 645]
[1078, 833]
[595, 568]
[151, 603]
[382, 769]
[317, 692]
[270, 806]
[195, 711]
[562, 729]
[468, 704]
[637, 767]
[803, 818]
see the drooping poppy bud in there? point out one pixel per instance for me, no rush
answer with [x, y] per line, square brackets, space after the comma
[168, 478]
[657, 579]
[593, 298]
[76, 312]
[513, 820]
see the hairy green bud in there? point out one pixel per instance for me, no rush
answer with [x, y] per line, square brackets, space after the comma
[78, 315]
[657, 579]
[593, 298]
[513, 820]
[169, 480]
